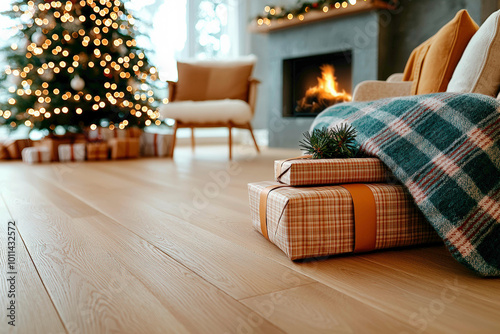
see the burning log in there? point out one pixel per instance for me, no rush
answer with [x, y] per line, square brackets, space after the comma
[324, 94]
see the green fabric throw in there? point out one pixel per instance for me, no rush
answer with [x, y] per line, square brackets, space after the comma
[445, 148]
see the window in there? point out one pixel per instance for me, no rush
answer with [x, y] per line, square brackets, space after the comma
[182, 29]
[216, 29]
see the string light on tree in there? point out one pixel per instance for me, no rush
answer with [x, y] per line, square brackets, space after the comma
[77, 65]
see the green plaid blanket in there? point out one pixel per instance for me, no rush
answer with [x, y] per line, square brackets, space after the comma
[445, 148]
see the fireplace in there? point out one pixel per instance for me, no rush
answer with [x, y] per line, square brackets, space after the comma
[313, 83]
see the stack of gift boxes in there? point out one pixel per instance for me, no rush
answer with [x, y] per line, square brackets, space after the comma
[97, 144]
[321, 207]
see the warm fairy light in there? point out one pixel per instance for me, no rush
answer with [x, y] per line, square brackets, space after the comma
[290, 16]
[325, 9]
[344, 4]
[79, 111]
[93, 127]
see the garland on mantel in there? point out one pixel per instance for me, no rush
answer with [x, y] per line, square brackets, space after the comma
[272, 13]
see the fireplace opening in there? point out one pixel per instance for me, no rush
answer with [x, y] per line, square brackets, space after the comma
[312, 84]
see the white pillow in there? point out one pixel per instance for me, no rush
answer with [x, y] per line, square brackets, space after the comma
[478, 71]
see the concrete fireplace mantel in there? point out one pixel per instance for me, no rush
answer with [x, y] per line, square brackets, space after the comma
[362, 34]
[316, 16]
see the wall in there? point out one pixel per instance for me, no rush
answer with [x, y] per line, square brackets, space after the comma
[416, 21]
[420, 19]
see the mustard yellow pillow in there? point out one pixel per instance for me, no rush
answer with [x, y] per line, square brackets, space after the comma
[431, 64]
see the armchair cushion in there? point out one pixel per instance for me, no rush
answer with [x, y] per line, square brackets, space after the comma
[431, 65]
[220, 111]
[213, 80]
[374, 90]
[479, 68]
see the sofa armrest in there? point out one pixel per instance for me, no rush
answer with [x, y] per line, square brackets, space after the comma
[396, 77]
[252, 93]
[171, 90]
[375, 90]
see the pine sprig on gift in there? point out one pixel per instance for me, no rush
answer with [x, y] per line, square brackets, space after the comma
[339, 142]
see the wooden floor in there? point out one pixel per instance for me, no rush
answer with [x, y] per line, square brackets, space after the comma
[162, 246]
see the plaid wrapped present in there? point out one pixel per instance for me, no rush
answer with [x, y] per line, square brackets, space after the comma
[319, 221]
[36, 155]
[303, 171]
[156, 145]
[15, 147]
[124, 148]
[71, 152]
[97, 151]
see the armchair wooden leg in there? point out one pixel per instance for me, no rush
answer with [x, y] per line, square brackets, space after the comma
[192, 139]
[174, 137]
[253, 137]
[230, 141]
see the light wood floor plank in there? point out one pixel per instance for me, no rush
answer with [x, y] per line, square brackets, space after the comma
[91, 290]
[433, 263]
[316, 308]
[232, 268]
[35, 312]
[182, 292]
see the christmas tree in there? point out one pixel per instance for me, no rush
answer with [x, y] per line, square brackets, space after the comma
[76, 64]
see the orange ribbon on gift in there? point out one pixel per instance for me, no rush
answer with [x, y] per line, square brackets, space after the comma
[365, 214]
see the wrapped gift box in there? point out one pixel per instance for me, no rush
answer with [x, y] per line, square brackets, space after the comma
[307, 222]
[97, 151]
[124, 148]
[15, 147]
[35, 155]
[106, 134]
[3, 152]
[302, 172]
[71, 152]
[156, 145]
[52, 144]
[100, 134]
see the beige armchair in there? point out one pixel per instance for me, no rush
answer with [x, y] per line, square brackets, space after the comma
[394, 86]
[213, 94]
[371, 90]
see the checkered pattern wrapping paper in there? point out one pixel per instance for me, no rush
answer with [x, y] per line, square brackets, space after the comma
[305, 172]
[307, 222]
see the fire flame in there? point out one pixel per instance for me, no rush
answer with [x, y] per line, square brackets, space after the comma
[324, 94]
[327, 87]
